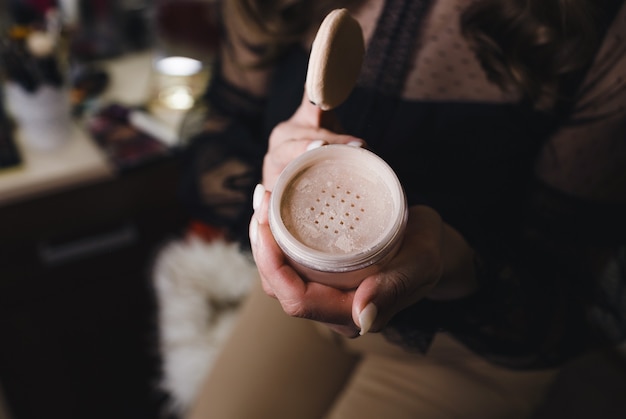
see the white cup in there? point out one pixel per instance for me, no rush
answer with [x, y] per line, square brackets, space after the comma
[42, 116]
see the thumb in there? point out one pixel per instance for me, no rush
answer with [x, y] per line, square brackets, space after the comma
[369, 298]
[311, 114]
[380, 297]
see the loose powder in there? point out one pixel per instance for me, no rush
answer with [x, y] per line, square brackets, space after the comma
[337, 208]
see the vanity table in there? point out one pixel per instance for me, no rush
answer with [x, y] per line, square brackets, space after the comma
[77, 239]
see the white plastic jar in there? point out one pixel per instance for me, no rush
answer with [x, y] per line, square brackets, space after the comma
[338, 212]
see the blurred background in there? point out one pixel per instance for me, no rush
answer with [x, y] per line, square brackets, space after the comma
[94, 93]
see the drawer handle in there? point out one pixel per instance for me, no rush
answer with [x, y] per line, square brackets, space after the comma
[54, 254]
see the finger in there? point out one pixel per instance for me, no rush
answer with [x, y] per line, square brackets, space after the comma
[299, 298]
[260, 203]
[294, 131]
[315, 301]
[253, 232]
[308, 113]
[408, 278]
[281, 155]
[279, 280]
[311, 114]
[376, 301]
[269, 259]
[278, 157]
[367, 299]
[281, 151]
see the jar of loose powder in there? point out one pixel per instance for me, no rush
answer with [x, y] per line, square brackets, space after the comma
[338, 213]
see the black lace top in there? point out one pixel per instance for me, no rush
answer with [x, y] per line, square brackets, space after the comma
[541, 197]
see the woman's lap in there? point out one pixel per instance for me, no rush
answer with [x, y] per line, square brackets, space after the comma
[450, 382]
[274, 366]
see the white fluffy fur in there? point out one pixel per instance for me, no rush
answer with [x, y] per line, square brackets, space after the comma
[198, 286]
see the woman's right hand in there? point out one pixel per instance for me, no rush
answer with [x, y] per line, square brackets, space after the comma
[307, 128]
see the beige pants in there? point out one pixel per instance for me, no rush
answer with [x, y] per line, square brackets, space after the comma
[4, 410]
[277, 367]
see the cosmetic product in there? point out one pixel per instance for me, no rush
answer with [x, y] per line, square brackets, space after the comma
[335, 60]
[338, 213]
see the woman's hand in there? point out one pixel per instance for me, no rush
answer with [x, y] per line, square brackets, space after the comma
[308, 127]
[434, 261]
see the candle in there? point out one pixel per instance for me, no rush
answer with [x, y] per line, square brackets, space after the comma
[178, 81]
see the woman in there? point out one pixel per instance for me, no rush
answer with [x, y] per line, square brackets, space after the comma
[505, 121]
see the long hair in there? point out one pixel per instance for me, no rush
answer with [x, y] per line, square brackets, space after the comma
[277, 24]
[534, 45]
[530, 45]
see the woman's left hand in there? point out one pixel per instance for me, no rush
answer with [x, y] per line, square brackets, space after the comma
[434, 261]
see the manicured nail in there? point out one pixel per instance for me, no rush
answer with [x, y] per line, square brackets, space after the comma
[356, 143]
[315, 144]
[367, 317]
[257, 196]
[254, 231]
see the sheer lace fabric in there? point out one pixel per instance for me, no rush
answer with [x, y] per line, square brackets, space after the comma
[541, 199]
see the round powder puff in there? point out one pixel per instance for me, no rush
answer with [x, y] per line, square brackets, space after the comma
[335, 60]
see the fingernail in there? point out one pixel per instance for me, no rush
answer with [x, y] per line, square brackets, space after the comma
[315, 144]
[355, 143]
[367, 317]
[257, 196]
[254, 231]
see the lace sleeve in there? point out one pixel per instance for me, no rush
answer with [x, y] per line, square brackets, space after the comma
[224, 136]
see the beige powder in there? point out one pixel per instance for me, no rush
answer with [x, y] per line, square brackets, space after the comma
[337, 208]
